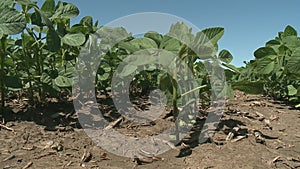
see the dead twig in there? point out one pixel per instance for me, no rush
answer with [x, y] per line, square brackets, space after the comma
[86, 157]
[238, 138]
[28, 165]
[232, 133]
[68, 164]
[45, 154]
[9, 158]
[7, 128]
[114, 124]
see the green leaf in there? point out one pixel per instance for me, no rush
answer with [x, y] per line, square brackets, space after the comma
[212, 35]
[272, 43]
[182, 123]
[142, 57]
[78, 28]
[291, 90]
[48, 7]
[53, 40]
[6, 4]
[292, 42]
[154, 36]
[249, 87]
[66, 10]
[290, 31]
[128, 46]
[265, 65]
[225, 56]
[112, 36]
[74, 39]
[181, 32]
[264, 52]
[293, 64]
[87, 21]
[45, 19]
[143, 43]
[25, 2]
[36, 19]
[13, 82]
[62, 81]
[128, 69]
[11, 21]
[170, 44]
[232, 67]
[103, 77]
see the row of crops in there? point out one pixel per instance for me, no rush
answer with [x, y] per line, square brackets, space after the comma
[38, 61]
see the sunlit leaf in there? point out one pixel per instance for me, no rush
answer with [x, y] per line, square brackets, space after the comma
[292, 90]
[225, 56]
[74, 39]
[264, 51]
[11, 21]
[62, 81]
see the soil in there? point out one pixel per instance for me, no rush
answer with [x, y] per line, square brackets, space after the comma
[254, 132]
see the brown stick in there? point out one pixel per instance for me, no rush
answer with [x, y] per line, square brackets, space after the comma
[113, 124]
[6, 128]
[28, 165]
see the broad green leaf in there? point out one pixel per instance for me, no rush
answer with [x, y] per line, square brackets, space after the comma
[213, 35]
[143, 43]
[293, 64]
[268, 69]
[154, 36]
[11, 21]
[170, 44]
[78, 28]
[112, 36]
[74, 39]
[44, 18]
[265, 65]
[290, 31]
[128, 69]
[264, 52]
[53, 41]
[62, 81]
[26, 2]
[66, 10]
[6, 4]
[48, 7]
[181, 32]
[291, 90]
[67, 70]
[142, 57]
[36, 19]
[87, 21]
[249, 87]
[165, 58]
[103, 77]
[232, 67]
[13, 82]
[273, 43]
[292, 42]
[128, 46]
[225, 56]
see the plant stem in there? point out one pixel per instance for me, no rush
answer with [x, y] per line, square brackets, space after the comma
[27, 63]
[174, 101]
[2, 86]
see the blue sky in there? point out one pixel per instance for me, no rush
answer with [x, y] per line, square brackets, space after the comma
[248, 24]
